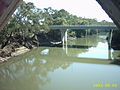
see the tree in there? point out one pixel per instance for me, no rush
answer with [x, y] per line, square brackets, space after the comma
[29, 20]
[25, 21]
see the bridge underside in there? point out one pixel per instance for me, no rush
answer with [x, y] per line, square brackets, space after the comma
[112, 8]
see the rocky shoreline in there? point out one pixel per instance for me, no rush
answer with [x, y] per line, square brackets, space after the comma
[13, 50]
[5, 55]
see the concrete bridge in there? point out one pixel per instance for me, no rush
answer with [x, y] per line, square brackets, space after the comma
[78, 27]
[65, 28]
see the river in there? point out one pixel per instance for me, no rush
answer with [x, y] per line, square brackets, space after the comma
[81, 64]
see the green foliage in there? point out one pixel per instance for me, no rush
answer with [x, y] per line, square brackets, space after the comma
[60, 21]
[28, 20]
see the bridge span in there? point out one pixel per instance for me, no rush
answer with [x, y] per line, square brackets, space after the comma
[78, 27]
[65, 28]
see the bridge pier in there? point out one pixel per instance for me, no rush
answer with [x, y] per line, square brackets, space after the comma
[64, 36]
[110, 39]
[109, 44]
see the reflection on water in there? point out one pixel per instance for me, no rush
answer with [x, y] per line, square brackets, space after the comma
[92, 47]
[100, 51]
[51, 68]
[56, 74]
[45, 52]
[83, 76]
[102, 36]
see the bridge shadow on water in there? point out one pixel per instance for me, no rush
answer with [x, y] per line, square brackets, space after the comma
[80, 46]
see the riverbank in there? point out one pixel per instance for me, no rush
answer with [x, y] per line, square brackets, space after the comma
[12, 50]
[6, 55]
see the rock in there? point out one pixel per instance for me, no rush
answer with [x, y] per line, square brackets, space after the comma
[9, 48]
[5, 53]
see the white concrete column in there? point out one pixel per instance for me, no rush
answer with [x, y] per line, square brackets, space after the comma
[64, 40]
[109, 44]
[64, 36]
[110, 39]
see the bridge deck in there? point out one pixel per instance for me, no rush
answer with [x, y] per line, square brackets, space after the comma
[78, 27]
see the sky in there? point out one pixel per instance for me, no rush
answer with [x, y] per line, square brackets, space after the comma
[82, 8]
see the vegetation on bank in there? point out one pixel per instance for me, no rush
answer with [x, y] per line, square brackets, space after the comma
[28, 27]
